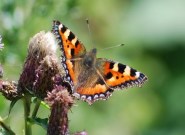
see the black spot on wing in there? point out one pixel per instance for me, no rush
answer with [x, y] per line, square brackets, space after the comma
[121, 68]
[132, 72]
[100, 81]
[63, 29]
[71, 36]
[109, 75]
[76, 44]
[142, 75]
[110, 90]
[72, 52]
[111, 65]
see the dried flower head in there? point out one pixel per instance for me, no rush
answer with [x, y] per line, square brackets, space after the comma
[9, 90]
[41, 66]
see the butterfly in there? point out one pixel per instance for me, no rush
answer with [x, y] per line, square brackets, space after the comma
[91, 78]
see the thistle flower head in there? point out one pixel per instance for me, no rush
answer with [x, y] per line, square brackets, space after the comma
[41, 66]
[60, 102]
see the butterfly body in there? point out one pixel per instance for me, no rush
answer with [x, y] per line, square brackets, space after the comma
[92, 78]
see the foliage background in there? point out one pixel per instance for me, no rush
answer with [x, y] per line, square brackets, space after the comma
[153, 32]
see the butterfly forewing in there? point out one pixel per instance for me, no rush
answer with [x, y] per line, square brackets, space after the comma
[119, 76]
[71, 49]
[69, 43]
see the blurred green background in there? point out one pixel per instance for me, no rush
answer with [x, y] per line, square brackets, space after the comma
[153, 32]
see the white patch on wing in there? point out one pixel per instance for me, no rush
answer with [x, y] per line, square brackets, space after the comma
[112, 79]
[69, 51]
[74, 40]
[127, 71]
[60, 26]
[137, 74]
[115, 68]
[66, 33]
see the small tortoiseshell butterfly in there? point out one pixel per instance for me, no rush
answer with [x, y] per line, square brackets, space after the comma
[92, 78]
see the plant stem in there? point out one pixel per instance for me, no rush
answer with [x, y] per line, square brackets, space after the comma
[37, 105]
[6, 128]
[27, 103]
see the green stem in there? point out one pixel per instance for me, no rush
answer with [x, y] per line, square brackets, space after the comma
[27, 103]
[37, 105]
[6, 128]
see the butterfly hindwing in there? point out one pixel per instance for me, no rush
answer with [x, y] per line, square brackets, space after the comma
[89, 86]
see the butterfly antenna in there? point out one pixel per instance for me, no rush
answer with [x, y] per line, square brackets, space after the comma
[113, 47]
[89, 30]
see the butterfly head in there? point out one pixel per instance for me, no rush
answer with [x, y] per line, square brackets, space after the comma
[90, 58]
[93, 52]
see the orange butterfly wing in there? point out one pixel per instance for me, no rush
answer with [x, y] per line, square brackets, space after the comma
[71, 49]
[109, 76]
[119, 76]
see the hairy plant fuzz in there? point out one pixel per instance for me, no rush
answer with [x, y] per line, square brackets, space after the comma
[41, 66]
[60, 102]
